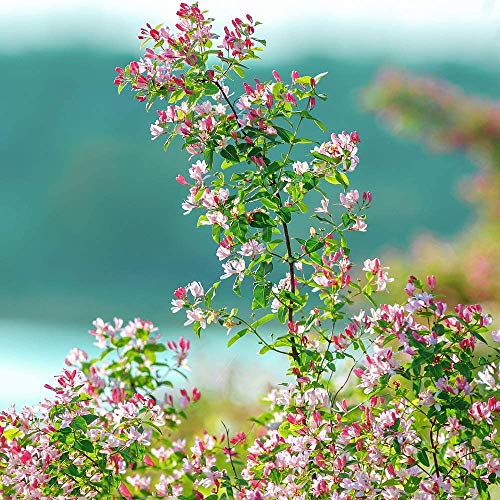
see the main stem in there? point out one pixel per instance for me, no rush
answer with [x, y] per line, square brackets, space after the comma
[291, 268]
[294, 353]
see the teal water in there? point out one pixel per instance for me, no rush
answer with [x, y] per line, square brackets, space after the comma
[33, 354]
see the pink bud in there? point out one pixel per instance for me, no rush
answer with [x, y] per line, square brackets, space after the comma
[184, 344]
[148, 461]
[181, 180]
[355, 137]
[410, 288]
[248, 88]
[258, 161]
[124, 491]
[367, 197]
[431, 282]
[276, 75]
[290, 98]
[134, 67]
[312, 102]
[295, 75]
[196, 394]
[269, 101]
[180, 293]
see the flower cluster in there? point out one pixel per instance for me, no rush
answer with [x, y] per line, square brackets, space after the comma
[101, 419]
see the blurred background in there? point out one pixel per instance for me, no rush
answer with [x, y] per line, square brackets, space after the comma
[91, 222]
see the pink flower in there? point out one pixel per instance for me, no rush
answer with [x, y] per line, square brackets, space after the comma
[196, 289]
[367, 197]
[124, 491]
[276, 75]
[349, 199]
[196, 394]
[234, 267]
[156, 130]
[216, 218]
[372, 265]
[300, 167]
[495, 335]
[431, 282]
[359, 225]
[324, 206]
[251, 249]
[195, 315]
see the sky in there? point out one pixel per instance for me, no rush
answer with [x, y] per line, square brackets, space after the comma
[465, 30]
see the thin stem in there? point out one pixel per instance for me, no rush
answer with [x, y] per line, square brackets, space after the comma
[259, 336]
[219, 86]
[229, 448]
[434, 448]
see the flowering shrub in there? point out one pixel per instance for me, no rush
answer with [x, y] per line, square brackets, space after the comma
[421, 421]
[445, 118]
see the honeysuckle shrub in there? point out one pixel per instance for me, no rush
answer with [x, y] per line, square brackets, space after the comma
[445, 118]
[391, 401]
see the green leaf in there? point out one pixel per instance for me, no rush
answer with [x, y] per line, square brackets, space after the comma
[267, 234]
[263, 320]
[230, 153]
[284, 214]
[423, 458]
[259, 296]
[238, 336]
[320, 125]
[12, 433]
[90, 418]
[338, 178]
[228, 163]
[239, 71]
[268, 202]
[284, 134]
[261, 219]
[85, 445]
[323, 157]
[314, 244]
[209, 157]
[79, 423]
[304, 80]
[301, 140]
[211, 89]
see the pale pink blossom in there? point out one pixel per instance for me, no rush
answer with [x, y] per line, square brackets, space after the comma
[195, 315]
[359, 225]
[349, 199]
[235, 267]
[156, 130]
[252, 249]
[324, 206]
[300, 167]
